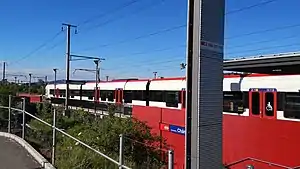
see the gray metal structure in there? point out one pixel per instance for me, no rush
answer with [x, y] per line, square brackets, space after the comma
[24, 118]
[68, 56]
[204, 84]
[53, 138]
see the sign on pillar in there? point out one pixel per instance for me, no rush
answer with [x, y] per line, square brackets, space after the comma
[204, 84]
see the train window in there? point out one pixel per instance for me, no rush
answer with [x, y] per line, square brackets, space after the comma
[127, 96]
[269, 103]
[157, 96]
[110, 95]
[280, 101]
[74, 93]
[246, 99]
[137, 95]
[52, 91]
[255, 103]
[233, 102]
[88, 93]
[292, 105]
[172, 98]
[62, 93]
[103, 95]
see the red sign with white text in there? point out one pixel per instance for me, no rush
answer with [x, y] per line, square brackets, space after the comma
[165, 127]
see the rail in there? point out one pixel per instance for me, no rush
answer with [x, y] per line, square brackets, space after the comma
[119, 163]
[260, 161]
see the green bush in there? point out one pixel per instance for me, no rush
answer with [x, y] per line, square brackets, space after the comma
[140, 146]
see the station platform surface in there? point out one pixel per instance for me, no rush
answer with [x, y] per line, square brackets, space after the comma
[14, 156]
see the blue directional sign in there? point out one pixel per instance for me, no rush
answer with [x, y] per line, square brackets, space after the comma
[177, 129]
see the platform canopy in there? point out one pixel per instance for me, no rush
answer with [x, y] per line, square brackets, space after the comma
[284, 63]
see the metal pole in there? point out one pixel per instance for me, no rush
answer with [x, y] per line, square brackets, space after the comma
[121, 154]
[53, 137]
[29, 82]
[188, 114]
[98, 71]
[170, 159]
[54, 82]
[68, 58]
[97, 80]
[3, 76]
[23, 127]
[67, 66]
[9, 113]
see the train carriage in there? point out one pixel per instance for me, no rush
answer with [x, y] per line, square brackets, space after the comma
[261, 114]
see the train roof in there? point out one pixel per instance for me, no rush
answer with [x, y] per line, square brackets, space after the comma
[226, 75]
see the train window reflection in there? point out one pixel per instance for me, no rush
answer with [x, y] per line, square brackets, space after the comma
[233, 102]
[292, 105]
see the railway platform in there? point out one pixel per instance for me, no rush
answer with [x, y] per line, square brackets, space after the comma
[16, 153]
[13, 155]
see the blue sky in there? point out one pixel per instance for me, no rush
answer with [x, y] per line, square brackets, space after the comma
[27, 24]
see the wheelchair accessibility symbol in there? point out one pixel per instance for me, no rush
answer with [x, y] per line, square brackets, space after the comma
[269, 107]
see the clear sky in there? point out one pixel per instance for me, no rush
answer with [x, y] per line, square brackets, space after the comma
[119, 35]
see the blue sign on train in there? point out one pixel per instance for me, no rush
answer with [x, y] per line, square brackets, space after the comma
[262, 90]
[177, 129]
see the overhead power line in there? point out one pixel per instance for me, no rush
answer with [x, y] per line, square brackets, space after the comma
[263, 41]
[56, 45]
[137, 38]
[157, 2]
[149, 63]
[151, 51]
[183, 26]
[127, 4]
[265, 48]
[117, 9]
[38, 48]
[264, 31]
[173, 59]
[250, 7]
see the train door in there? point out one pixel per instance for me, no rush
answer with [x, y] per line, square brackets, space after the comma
[263, 103]
[57, 93]
[119, 95]
[97, 94]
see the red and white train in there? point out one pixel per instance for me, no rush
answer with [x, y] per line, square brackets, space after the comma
[261, 114]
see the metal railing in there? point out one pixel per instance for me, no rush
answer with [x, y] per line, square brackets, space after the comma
[119, 163]
[259, 161]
